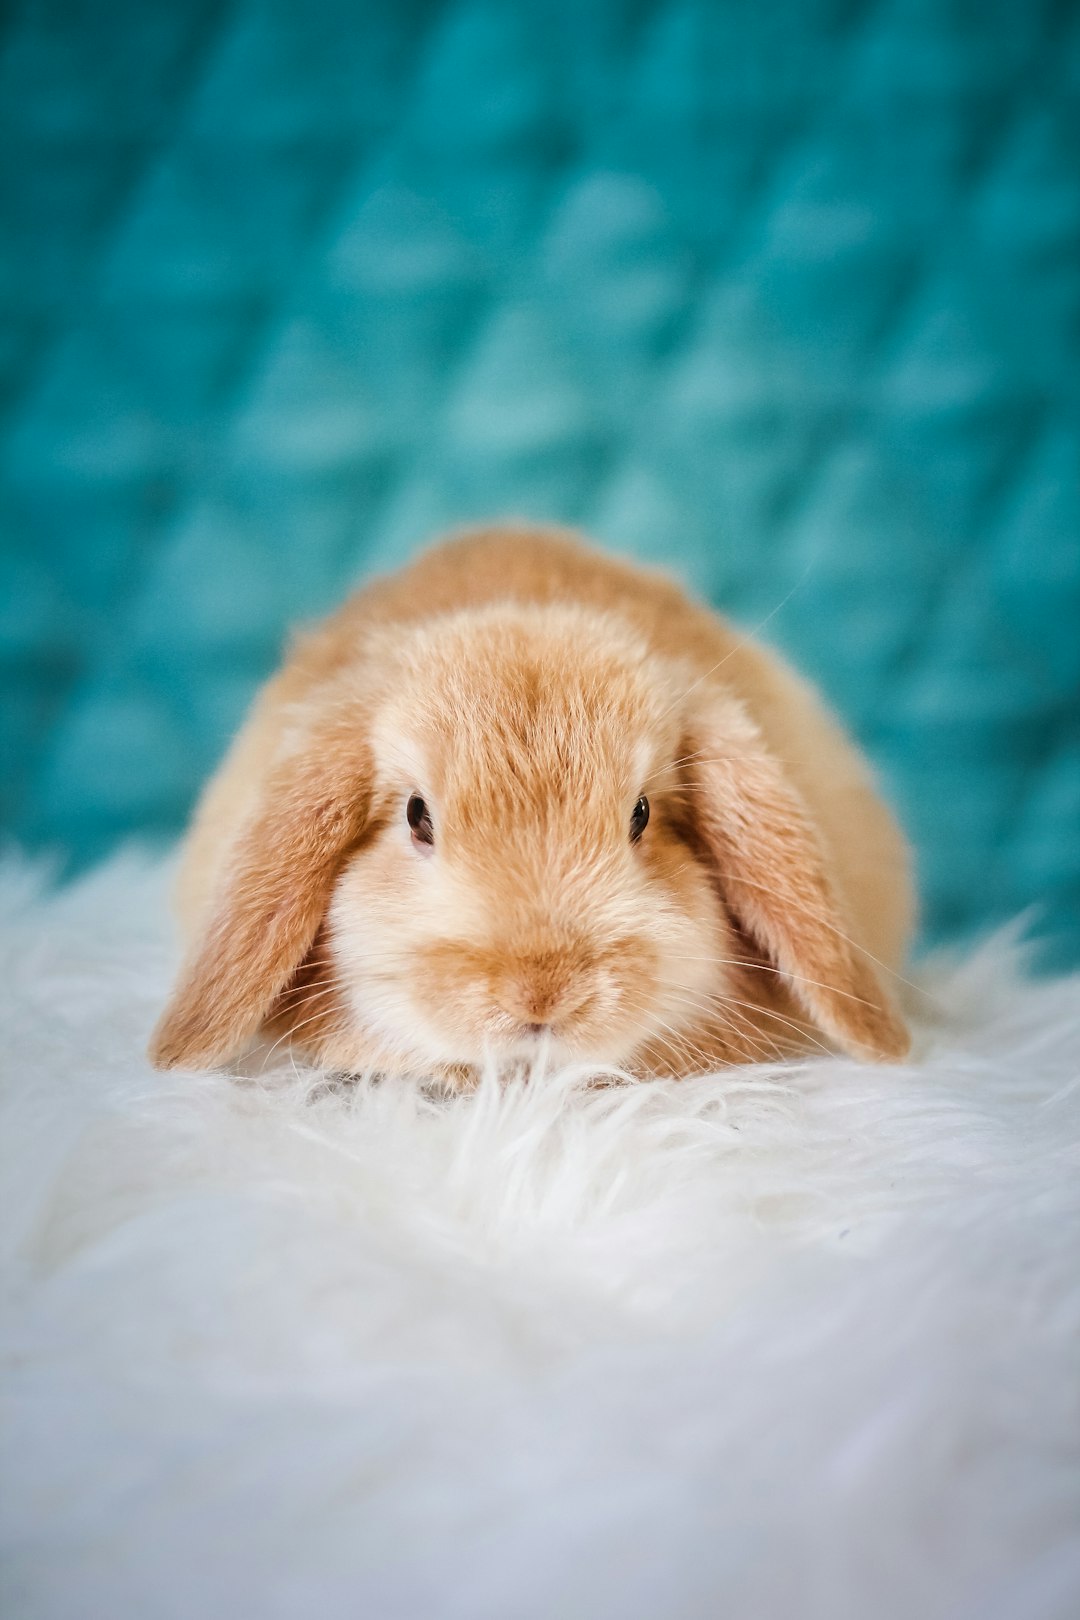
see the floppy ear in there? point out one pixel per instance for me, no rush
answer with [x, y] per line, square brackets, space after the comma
[771, 867]
[274, 895]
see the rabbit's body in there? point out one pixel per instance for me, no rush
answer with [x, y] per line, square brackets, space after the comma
[531, 693]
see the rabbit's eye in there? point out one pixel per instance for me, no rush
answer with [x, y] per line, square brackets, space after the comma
[419, 818]
[639, 819]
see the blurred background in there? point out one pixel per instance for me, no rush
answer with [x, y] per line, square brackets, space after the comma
[785, 297]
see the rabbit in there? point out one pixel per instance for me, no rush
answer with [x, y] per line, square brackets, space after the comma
[524, 797]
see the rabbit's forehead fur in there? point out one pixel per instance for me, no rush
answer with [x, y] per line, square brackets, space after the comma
[515, 722]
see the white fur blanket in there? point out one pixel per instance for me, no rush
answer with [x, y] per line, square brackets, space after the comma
[790, 1342]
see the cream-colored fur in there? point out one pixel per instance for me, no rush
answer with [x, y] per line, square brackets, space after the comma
[531, 689]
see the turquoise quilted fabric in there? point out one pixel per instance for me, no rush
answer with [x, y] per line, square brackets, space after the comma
[786, 296]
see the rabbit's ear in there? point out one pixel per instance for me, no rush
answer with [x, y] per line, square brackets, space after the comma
[758, 836]
[278, 878]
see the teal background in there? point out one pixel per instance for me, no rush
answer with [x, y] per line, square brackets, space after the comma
[786, 296]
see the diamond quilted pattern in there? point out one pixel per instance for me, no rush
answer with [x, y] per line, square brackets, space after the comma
[786, 298]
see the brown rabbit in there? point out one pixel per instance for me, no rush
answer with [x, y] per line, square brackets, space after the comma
[522, 797]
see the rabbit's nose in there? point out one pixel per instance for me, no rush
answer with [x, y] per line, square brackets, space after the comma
[529, 1004]
[534, 994]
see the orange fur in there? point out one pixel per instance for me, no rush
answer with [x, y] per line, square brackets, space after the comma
[530, 689]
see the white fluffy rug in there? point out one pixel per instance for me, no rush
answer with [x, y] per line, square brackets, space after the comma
[771, 1343]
